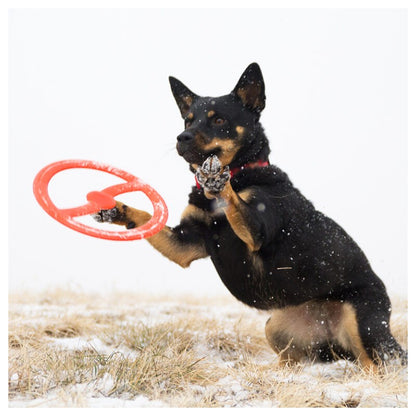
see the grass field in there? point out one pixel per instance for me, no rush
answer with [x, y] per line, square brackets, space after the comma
[69, 349]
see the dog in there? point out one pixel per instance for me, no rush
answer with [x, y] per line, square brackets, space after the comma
[270, 247]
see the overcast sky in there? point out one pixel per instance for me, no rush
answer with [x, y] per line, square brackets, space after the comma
[93, 84]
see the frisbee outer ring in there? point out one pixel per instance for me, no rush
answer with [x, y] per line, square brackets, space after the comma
[66, 216]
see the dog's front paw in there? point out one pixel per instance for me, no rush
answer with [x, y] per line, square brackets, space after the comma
[211, 176]
[107, 215]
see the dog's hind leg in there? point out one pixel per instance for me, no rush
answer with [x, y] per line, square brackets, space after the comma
[295, 332]
[367, 322]
[287, 346]
[348, 336]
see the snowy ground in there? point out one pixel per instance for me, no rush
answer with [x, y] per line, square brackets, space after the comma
[74, 350]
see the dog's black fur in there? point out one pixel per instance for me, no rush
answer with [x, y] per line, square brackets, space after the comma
[271, 248]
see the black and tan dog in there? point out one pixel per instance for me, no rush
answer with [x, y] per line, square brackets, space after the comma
[271, 248]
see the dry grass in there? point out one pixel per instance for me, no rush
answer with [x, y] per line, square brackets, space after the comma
[72, 349]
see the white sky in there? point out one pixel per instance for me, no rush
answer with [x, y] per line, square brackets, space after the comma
[92, 84]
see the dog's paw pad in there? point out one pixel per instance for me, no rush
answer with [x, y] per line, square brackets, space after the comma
[211, 166]
[210, 177]
[106, 215]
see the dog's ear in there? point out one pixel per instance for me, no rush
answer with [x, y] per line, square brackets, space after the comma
[250, 88]
[183, 95]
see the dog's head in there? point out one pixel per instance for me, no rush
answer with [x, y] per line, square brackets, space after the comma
[225, 126]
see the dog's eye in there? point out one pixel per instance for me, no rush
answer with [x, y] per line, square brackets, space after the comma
[219, 121]
[188, 123]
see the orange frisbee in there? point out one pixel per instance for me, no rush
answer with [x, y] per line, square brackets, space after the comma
[100, 200]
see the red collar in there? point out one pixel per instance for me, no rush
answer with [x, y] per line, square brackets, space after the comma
[234, 171]
[250, 165]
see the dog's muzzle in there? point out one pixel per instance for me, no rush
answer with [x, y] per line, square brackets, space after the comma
[187, 148]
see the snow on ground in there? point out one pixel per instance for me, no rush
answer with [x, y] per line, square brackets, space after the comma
[335, 384]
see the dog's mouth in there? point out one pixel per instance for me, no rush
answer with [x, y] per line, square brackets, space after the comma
[193, 155]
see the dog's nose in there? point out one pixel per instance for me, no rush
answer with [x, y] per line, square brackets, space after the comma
[185, 136]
